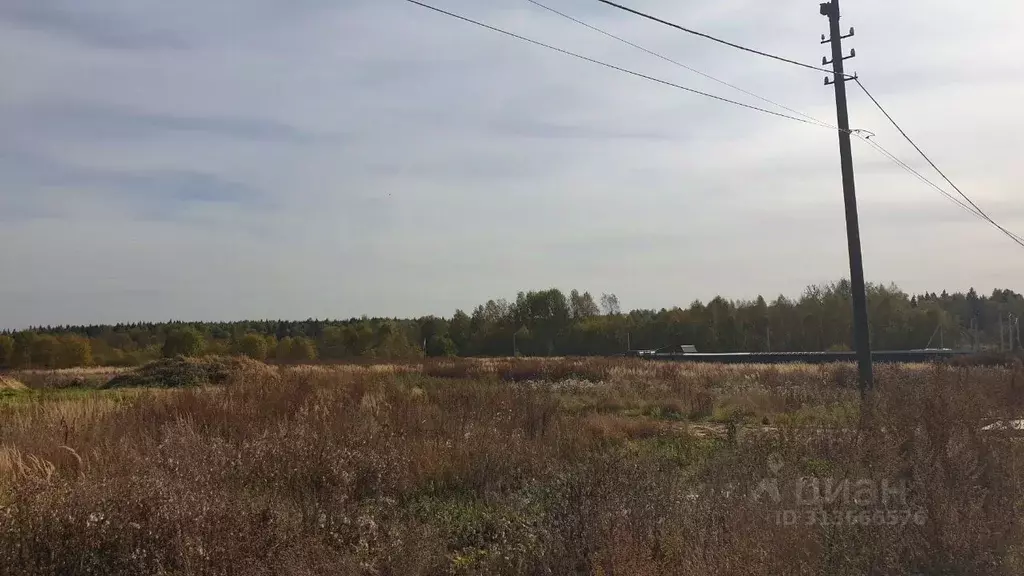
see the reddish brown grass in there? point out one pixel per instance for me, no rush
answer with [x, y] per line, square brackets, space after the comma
[506, 467]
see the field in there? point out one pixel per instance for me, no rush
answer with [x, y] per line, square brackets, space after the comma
[554, 466]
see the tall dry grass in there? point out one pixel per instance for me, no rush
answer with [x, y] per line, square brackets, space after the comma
[588, 468]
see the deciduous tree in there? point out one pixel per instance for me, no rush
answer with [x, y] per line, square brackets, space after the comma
[184, 342]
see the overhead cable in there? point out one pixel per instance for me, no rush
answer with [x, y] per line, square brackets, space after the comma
[677, 63]
[610, 66]
[714, 38]
[1015, 237]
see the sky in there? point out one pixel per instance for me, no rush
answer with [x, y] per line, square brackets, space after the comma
[262, 159]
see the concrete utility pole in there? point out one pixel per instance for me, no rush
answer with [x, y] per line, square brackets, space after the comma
[1017, 324]
[1012, 323]
[1001, 338]
[861, 336]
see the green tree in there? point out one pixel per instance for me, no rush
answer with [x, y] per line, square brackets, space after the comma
[217, 347]
[296, 350]
[302, 350]
[331, 344]
[6, 351]
[582, 306]
[283, 349]
[271, 341]
[44, 352]
[440, 346]
[22, 356]
[253, 346]
[73, 351]
[460, 330]
[184, 342]
[392, 342]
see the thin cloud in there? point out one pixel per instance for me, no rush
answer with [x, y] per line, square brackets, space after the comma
[70, 20]
[317, 158]
[64, 119]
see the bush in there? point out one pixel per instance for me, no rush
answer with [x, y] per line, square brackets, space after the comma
[180, 372]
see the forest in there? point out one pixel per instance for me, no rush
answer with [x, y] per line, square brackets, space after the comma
[544, 323]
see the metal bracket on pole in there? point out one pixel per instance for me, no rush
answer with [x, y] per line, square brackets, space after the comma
[829, 40]
[825, 61]
[829, 81]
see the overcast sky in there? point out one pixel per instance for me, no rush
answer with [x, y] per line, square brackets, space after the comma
[332, 158]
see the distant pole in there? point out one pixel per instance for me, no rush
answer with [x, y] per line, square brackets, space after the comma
[769, 338]
[861, 336]
[1017, 323]
[1001, 349]
[1009, 333]
[975, 343]
[1010, 320]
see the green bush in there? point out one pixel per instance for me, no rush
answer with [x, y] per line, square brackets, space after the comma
[179, 372]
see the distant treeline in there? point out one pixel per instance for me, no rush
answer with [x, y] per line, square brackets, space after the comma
[543, 323]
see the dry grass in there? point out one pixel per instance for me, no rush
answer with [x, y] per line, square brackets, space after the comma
[10, 384]
[67, 378]
[509, 467]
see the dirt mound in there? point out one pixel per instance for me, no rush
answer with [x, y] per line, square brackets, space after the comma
[7, 383]
[184, 372]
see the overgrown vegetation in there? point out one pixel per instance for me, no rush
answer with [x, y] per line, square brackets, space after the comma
[185, 372]
[511, 467]
[544, 323]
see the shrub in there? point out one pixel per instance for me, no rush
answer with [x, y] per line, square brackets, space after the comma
[180, 372]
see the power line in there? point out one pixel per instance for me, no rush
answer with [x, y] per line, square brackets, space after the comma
[878, 147]
[975, 208]
[713, 38]
[806, 119]
[1016, 238]
[607, 65]
[677, 63]
[907, 168]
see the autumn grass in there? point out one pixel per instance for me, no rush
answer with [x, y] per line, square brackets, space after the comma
[66, 378]
[560, 466]
[9, 386]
